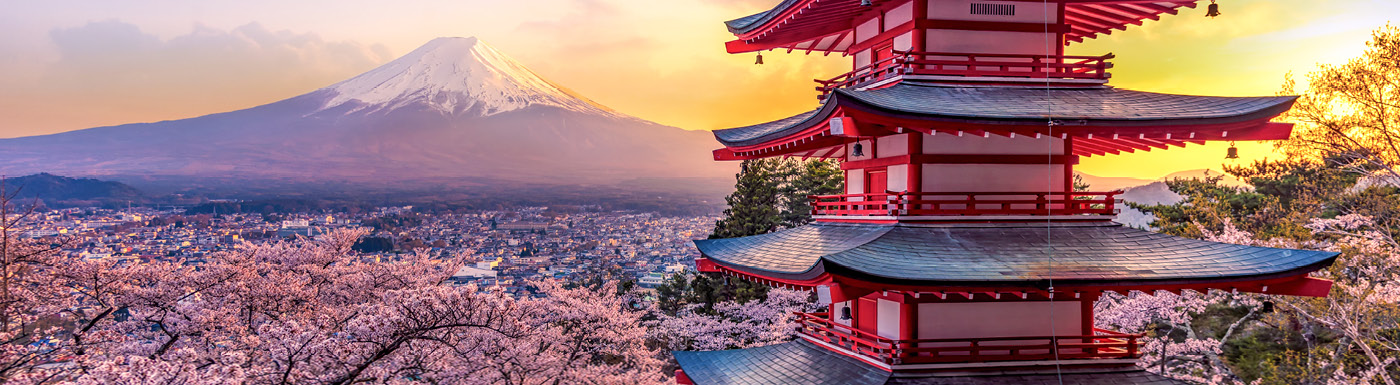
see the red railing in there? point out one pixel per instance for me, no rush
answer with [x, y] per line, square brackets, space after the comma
[1103, 344]
[966, 203]
[969, 65]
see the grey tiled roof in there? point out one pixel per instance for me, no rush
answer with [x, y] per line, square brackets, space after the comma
[748, 23]
[757, 131]
[796, 362]
[1092, 106]
[1001, 254]
[1130, 377]
[802, 362]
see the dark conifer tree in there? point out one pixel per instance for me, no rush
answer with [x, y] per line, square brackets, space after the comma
[753, 207]
[806, 178]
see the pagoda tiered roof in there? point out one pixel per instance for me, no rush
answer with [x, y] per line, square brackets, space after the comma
[1102, 255]
[824, 25]
[1103, 120]
[796, 362]
[805, 362]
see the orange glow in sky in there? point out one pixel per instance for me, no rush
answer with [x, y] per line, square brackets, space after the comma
[87, 63]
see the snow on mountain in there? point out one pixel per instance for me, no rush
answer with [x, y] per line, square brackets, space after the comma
[454, 109]
[455, 75]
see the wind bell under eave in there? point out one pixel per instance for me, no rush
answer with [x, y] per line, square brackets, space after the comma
[1213, 10]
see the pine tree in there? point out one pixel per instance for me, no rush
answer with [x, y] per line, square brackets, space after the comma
[753, 207]
[772, 194]
[806, 178]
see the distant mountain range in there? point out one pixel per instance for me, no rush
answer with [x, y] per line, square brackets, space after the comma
[61, 190]
[1110, 183]
[454, 111]
[1150, 192]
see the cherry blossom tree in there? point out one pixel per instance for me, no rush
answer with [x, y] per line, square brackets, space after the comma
[731, 324]
[1364, 305]
[1363, 308]
[314, 311]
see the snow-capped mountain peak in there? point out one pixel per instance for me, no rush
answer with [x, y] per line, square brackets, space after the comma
[455, 76]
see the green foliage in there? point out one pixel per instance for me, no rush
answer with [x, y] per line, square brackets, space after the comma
[771, 193]
[1283, 196]
[1080, 184]
[753, 207]
[806, 178]
[705, 290]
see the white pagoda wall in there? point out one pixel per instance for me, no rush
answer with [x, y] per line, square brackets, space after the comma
[998, 319]
[899, 15]
[1003, 42]
[836, 312]
[944, 143]
[893, 145]
[945, 40]
[963, 177]
[855, 181]
[992, 177]
[1026, 12]
[887, 319]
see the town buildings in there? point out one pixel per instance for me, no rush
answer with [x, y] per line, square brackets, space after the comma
[508, 248]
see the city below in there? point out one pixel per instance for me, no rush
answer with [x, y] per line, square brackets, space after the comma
[508, 249]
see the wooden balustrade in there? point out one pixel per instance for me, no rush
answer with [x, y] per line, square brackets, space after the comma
[905, 204]
[1103, 344]
[973, 65]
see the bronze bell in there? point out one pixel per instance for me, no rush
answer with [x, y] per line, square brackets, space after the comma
[1232, 152]
[1213, 10]
[857, 150]
[760, 59]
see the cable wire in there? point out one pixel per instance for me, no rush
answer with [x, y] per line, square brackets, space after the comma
[1050, 188]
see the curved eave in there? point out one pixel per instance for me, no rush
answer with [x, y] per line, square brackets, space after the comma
[902, 101]
[1244, 282]
[1104, 120]
[1085, 256]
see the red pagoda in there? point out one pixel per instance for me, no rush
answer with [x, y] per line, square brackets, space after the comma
[960, 253]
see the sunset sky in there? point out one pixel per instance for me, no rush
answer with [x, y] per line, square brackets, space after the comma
[67, 65]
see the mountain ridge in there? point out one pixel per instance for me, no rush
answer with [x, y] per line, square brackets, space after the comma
[455, 108]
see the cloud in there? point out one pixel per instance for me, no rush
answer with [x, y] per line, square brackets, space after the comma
[111, 72]
[118, 57]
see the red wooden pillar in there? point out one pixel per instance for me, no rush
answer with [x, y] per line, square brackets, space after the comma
[1086, 313]
[866, 314]
[920, 14]
[908, 319]
[915, 172]
[908, 323]
[1069, 167]
[1060, 35]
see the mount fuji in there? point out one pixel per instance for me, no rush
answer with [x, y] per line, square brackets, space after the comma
[454, 109]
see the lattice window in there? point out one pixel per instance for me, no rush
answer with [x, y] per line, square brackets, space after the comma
[994, 9]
